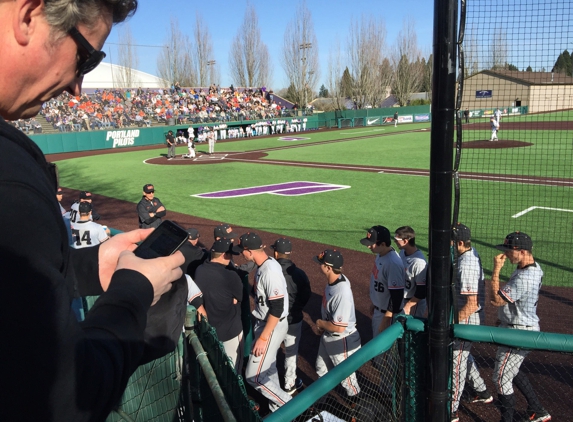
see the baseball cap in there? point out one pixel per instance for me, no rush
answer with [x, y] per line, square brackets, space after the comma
[516, 241]
[250, 241]
[330, 257]
[59, 191]
[193, 233]
[224, 231]
[85, 195]
[222, 246]
[282, 245]
[148, 188]
[84, 207]
[377, 234]
[461, 232]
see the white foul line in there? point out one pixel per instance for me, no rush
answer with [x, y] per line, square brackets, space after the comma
[519, 214]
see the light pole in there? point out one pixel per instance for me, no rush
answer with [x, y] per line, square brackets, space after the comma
[210, 64]
[304, 47]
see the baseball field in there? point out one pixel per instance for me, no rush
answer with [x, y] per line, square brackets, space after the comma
[326, 188]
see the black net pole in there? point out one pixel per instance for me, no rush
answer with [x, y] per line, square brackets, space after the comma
[441, 160]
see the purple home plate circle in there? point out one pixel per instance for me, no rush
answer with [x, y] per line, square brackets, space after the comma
[292, 138]
[285, 189]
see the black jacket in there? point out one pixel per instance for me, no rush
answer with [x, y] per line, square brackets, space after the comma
[52, 367]
[298, 287]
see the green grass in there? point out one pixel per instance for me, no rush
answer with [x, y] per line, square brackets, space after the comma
[339, 218]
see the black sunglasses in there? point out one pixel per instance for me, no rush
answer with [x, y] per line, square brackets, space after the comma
[94, 57]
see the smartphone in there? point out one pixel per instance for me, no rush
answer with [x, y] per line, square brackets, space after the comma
[165, 240]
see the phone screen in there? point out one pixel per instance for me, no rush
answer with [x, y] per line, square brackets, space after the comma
[164, 241]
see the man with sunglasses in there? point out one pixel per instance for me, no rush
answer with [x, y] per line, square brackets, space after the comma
[73, 372]
[150, 210]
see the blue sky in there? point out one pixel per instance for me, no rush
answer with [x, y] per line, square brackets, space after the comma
[150, 26]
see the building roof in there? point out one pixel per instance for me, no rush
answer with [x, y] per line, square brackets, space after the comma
[106, 75]
[530, 78]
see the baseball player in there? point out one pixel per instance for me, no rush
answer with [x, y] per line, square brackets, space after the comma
[497, 115]
[190, 148]
[517, 301]
[86, 233]
[415, 267]
[271, 326]
[494, 128]
[339, 337]
[194, 254]
[170, 145]
[470, 294]
[211, 138]
[298, 287]
[150, 210]
[59, 197]
[396, 119]
[386, 280]
[195, 296]
[222, 293]
[85, 196]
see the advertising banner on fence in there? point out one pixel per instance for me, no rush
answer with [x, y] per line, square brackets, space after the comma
[388, 119]
[122, 138]
[405, 119]
[373, 121]
[484, 93]
[421, 117]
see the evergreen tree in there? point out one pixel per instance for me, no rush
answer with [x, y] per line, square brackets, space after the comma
[512, 67]
[563, 64]
[347, 84]
[291, 94]
[529, 69]
[323, 92]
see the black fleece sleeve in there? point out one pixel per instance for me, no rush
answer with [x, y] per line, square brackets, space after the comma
[420, 291]
[396, 298]
[276, 307]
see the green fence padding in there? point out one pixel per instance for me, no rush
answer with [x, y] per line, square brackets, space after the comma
[515, 338]
[320, 387]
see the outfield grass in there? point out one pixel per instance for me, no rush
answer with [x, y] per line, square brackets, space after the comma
[339, 218]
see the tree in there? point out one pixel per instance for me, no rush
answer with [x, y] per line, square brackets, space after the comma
[499, 50]
[335, 83]
[529, 69]
[563, 64]
[175, 63]
[366, 49]
[124, 77]
[203, 47]
[512, 67]
[471, 53]
[406, 61]
[300, 54]
[323, 92]
[249, 60]
[427, 75]
[347, 84]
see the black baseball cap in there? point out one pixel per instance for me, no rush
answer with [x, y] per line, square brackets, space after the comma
[332, 258]
[85, 195]
[59, 191]
[84, 207]
[282, 245]
[193, 233]
[224, 231]
[223, 246]
[149, 188]
[461, 232]
[249, 241]
[516, 241]
[377, 234]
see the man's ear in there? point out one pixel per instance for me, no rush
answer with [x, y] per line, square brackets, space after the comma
[27, 14]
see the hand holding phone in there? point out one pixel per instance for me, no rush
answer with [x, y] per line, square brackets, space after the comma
[165, 240]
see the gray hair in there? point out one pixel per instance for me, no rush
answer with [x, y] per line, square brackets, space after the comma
[62, 15]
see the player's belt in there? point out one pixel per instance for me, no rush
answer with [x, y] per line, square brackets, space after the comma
[519, 325]
[379, 309]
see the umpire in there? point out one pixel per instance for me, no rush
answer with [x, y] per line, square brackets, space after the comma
[150, 209]
[298, 287]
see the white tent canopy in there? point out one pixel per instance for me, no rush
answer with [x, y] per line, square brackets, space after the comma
[108, 75]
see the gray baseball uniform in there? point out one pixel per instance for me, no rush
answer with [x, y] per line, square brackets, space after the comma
[338, 308]
[387, 276]
[521, 293]
[270, 291]
[415, 266]
[470, 281]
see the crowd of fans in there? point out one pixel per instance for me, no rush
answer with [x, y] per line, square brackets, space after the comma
[119, 108]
